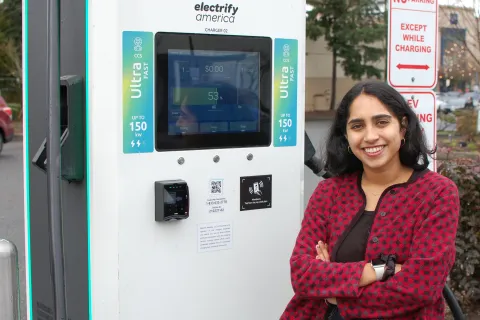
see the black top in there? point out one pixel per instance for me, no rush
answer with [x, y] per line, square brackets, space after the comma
[354, 246]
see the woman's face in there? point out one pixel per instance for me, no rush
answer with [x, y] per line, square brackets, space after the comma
[373, 133]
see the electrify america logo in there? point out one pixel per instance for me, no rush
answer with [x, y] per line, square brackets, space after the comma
[216, 12]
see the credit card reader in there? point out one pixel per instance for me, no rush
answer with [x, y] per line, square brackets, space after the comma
[171, 200]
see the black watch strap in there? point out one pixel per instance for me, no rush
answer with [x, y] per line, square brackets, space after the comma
[389, 261]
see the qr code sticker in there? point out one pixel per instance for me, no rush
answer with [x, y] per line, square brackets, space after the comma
[216, 186]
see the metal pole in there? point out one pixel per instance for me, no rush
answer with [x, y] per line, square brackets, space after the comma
[53, 161]
[9, 293]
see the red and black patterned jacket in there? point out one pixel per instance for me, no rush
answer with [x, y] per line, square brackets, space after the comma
[416, 220]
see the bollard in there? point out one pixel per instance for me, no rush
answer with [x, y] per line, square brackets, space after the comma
[9, 294]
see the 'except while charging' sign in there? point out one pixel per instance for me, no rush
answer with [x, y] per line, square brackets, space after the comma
[412, 44]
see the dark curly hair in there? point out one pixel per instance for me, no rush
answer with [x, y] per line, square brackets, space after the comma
[414, 153]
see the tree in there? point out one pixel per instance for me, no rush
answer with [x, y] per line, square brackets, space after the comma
[11, 20]
[11, 38]
[353, 30]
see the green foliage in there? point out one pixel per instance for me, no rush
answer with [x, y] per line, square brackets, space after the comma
[467, 122]
[11, 20]
[465, 275]
[353, 31]
[10, 38]
[448, 118]
[16, 111]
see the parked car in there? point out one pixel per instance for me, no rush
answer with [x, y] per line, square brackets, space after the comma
[451, 101]
[6, 123]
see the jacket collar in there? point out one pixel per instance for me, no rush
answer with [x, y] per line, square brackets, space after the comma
[415, 176]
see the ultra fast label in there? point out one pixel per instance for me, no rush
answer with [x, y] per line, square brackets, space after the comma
[137, 92]
[285, 92]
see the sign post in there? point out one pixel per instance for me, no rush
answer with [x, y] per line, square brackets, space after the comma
[412, 59]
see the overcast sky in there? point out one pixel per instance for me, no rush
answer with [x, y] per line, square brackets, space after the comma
[466, 3]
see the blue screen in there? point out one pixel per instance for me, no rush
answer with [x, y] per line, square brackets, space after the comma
[213, 92]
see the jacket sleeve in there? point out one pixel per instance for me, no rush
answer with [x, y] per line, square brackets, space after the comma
[312, 278]
[424, 273]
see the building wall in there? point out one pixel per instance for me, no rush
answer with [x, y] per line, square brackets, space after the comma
[319, 67]
[461, 63]
[466, 20]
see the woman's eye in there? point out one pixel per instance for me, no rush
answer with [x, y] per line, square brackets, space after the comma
[356, 126]
[383, 122]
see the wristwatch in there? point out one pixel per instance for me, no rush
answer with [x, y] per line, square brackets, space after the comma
[379, 266]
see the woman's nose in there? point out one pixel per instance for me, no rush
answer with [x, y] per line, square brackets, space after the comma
[371, 134]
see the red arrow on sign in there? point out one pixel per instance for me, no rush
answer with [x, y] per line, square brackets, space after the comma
[412, 66]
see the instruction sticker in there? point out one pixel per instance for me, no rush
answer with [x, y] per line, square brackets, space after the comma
[216, 201]
[137, 92]
[285, 93]
[255, 192]
[215, 236]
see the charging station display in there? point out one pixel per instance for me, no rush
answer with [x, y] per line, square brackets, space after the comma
[212, 91]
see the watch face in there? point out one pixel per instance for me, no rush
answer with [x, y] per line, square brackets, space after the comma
[377, 262]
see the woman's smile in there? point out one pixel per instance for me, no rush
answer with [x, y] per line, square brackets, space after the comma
[374, 151]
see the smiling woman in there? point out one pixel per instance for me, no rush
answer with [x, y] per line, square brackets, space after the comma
[374, 135]
[370, 243]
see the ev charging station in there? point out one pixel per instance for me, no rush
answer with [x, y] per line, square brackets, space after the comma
[176, 189]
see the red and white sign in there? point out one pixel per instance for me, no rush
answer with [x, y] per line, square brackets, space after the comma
[412, 44]
[424, 106]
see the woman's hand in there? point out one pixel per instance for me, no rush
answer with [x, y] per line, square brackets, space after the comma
[398, 268]
[369, 276]
[322, 254]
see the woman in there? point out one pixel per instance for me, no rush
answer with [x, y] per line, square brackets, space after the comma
[378, 239]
